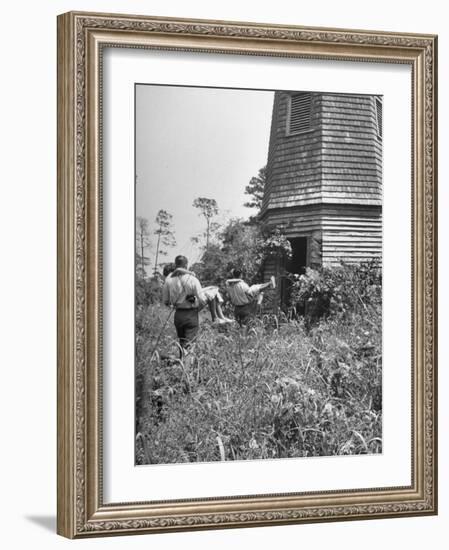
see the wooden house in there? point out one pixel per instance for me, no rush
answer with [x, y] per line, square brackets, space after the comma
[324, 178]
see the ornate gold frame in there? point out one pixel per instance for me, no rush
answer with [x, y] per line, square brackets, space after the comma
[81, 37]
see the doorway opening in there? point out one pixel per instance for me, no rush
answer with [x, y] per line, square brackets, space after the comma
[296, 264]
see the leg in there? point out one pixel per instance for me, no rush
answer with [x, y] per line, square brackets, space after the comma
[220, 311]
[249, 312]
[179, 325]
[206, 298]
[211, 296]
[256, 289]
[258, 304]
[191, 327]
[217, 313]
[219, 300]
[244, 313]
[237, 315]
[213, 309]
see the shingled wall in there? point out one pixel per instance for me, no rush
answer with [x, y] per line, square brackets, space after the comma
[326, 182]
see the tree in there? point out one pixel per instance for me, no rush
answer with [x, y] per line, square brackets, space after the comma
[208, 208]
[211, 269]
[143, 243]
[255, 189]
[214, 235]
[242, 245]
[238, 244]
[165, 236]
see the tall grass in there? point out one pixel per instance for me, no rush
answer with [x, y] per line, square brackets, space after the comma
[277, 390]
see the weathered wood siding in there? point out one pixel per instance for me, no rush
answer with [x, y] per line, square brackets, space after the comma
[347, 233]
[351, 158]
[326, 183]
[352, 236]
[294, 161]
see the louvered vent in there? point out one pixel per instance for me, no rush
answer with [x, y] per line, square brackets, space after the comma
[379, 116]
[300, 113]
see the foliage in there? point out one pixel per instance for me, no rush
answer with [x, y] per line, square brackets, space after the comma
[242, 245]
[340, 291]
[143, 243]
[238, 245]
[208, 208]
[277, 390]
[275, 244]
[283, 387]
[165, 236]
[255, 189]
[211, 270]
[148, 291]
[214, 230]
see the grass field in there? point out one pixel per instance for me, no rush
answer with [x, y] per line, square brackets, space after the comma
[277, 390]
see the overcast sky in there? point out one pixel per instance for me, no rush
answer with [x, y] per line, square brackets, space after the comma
[197, 142]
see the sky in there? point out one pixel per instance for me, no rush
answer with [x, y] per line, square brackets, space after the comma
[197, 142]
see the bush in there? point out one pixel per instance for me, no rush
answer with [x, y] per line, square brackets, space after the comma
[341, 291]
[148, 291]
[278, 390]
[241, 245]
[282, 388]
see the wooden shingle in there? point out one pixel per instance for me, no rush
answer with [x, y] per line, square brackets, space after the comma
[324, 172]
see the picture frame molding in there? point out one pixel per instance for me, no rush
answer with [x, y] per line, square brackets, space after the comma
[81, 40]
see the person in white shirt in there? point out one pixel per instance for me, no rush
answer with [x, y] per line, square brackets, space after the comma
[209, 296]
[182, 291]
[245, 297]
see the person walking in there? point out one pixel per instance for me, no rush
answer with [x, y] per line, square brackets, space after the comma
[182, 291]
[245, 297]
[209, 296]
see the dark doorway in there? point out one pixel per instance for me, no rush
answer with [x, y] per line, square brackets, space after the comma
[297, 265]
[298, 261]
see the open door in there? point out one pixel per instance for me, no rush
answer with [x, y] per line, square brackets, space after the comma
[296, 264]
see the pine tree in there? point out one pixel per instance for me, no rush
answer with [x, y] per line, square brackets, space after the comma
[255, 189]
[165, 236]
[208, 208]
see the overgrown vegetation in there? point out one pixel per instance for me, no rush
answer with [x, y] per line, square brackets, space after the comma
[343, 291]
[301, 387]
[306, 381]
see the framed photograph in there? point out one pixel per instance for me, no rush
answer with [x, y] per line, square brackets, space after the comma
[246, 274]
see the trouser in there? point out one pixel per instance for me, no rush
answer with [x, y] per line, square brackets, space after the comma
[244, 313]
[187, 325]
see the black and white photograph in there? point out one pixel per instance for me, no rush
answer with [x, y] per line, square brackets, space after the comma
[258, 274]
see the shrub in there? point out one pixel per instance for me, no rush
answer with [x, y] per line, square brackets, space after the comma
[241, 245]
[340, 291]
[148, 291]
[277, 390]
